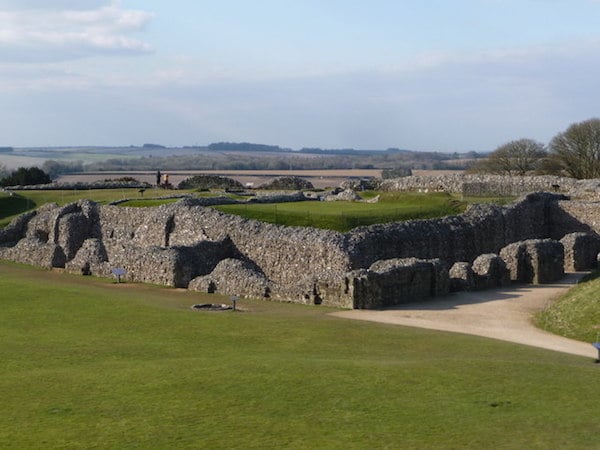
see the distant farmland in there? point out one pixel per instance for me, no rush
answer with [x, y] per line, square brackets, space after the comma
[319, 178]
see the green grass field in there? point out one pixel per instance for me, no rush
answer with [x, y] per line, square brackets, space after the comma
[87, 363]
[343, 216]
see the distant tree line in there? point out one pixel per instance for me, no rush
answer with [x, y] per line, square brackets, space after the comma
[574, 152]
[56, 168]
[289, 161]
[25, 176]
[245, 147]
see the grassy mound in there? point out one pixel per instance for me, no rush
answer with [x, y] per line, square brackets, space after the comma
[88, 363]
[575, 315]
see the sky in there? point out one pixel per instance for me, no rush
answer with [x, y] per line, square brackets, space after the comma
[427, 75]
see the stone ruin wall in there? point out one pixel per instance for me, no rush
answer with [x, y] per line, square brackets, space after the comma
[482, 229]
[185, 244]
[479, 185]
[174, 244]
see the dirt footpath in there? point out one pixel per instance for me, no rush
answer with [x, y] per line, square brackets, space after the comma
[502, 313]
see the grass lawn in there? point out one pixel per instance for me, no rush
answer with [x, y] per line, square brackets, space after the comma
[87, 363]
[343, 216]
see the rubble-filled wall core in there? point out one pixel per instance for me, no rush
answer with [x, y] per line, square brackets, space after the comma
[186, 244]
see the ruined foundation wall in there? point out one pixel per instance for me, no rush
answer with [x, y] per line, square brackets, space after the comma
[293, 258]
[486, 185]
[482, 229]
[177, 243]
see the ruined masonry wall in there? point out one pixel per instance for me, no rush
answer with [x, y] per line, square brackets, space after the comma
[482, 185]
[482, 229]
[178, 243]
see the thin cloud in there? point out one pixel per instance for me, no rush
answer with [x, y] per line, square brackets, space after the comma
[53, 35]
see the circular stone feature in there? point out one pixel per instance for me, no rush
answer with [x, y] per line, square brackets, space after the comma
[211, 307]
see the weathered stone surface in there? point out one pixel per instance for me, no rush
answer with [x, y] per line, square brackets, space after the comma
[16, 229]
[581, 250]
[288, 183]
[233, 277]
[489, 270]
[35, 252]
[481, 229]
[396, 281]
[485, 185]
[347, 195]
[536, 261]
[91, 259]
[461, 277]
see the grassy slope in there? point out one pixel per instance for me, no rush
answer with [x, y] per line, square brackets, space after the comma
[576, 314]
[87, 363]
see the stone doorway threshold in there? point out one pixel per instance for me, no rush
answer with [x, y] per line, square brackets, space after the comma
[502, 313]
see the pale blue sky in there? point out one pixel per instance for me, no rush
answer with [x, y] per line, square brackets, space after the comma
[425, 75]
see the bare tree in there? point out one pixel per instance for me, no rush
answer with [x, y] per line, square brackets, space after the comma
[578, 149]
[513, 158]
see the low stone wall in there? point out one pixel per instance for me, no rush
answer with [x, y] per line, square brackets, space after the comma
[482, 229]
[493, 185]
[581, 251]
[396, 281]
[536, 261]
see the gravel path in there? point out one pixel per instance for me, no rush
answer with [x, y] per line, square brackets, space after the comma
[502, 313]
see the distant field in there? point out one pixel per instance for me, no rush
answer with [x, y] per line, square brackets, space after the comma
[319, 178]
[87, 363]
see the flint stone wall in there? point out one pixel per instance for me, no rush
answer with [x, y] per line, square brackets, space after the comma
[489, 271]
[482, 229]
[396, 281]
[177, 243]
[35, 252]
[90, 259]
[570, 216]
[232, 277]
[461, 276]
[483, 185]
[536, 261]
[581, 251]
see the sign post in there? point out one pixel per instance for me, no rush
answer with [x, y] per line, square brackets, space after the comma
[119, 272]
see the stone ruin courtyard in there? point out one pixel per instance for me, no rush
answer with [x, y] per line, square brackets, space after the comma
[188, 245]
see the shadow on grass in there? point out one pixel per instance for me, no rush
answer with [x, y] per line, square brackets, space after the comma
[13, 204]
